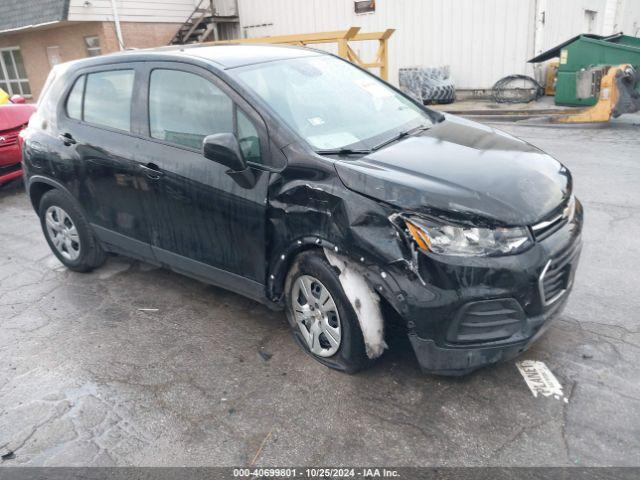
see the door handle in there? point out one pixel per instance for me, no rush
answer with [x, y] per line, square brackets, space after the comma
[152, 171]
[67, 139]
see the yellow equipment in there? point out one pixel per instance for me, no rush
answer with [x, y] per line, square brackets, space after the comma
[550, 78]
[4, 97]
[615, 98]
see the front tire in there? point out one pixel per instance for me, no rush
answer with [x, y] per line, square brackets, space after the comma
[321, 317]
[68, 233]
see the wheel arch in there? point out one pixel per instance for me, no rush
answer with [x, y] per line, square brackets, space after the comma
[384, 285]
[39, 185]
[281, 264]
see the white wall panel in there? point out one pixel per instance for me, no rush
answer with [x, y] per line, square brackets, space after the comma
[482, 40]
[225, 7]
[567, 18]
[628, 19]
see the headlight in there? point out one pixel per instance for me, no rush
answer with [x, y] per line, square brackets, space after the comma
[445, 239]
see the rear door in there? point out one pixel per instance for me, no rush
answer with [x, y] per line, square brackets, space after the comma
[98, 124]
[204, 223]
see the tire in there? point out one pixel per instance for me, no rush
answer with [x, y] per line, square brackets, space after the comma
[428, 84]
[68, 232]
[350, 355]
[439, 92]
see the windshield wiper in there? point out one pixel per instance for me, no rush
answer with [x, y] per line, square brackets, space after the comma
[343, 151]
[362, 151]
[400, 136]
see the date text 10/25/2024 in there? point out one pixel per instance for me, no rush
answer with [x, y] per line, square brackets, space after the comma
[315, 473]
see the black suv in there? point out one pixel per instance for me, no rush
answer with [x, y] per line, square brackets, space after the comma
[297, 179]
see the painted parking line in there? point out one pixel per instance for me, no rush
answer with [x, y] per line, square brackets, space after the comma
[540, 380]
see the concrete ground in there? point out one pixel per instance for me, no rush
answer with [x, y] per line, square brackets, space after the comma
[471, 104]
[86, 378]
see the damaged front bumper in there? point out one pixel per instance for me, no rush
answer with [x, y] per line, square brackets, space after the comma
[458, 360]
[465, 313]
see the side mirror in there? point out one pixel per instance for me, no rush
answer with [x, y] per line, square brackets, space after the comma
[224, 148]
[17, 99]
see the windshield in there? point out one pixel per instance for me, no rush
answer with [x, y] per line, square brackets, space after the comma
[331, 103]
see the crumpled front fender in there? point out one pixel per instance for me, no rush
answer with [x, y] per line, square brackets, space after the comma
[311, 208]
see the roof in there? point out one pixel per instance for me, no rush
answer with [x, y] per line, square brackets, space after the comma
[224, 56]
[17, 14]
[232, 56]
[555, 51]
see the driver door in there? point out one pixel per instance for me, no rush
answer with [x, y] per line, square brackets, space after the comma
[204, 224]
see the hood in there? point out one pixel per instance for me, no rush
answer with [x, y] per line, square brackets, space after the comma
[13, 115]
[465, 170]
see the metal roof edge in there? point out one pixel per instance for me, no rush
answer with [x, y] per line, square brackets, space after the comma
[555, 51]
[30, 27]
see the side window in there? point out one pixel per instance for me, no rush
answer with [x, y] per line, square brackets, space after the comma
[248, 138]
[184, 108]
[107, 99]
[74, 100]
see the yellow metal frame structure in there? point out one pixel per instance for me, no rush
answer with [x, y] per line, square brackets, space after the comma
[601, 111]
[342, 38]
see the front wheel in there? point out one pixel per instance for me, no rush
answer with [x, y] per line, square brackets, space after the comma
[68, 233]
[321, 317]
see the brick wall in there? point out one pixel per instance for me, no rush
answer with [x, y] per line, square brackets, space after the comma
[138, 35]
[70, 39]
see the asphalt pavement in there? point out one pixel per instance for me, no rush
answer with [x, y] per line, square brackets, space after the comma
[136, 365]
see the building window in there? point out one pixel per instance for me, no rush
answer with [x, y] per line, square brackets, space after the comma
[93, 46]
[364, 6]
[53, 54]
[13, 76]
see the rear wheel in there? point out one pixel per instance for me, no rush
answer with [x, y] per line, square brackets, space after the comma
[321, 317]
[68, 233]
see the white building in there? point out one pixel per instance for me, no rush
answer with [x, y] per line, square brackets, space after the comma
[481, 40]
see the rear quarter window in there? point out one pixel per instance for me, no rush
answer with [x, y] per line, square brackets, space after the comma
[74, 100]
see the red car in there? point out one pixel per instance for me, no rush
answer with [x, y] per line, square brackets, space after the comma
[13, 118]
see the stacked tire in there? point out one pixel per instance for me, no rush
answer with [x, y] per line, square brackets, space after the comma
[428, 84]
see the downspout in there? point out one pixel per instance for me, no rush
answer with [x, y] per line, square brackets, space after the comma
[116, 21]
[538, 36]
[612, 16]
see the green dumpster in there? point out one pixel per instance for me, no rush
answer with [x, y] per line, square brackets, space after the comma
[582, 63]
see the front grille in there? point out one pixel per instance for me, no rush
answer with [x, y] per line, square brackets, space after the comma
[9, 138]
[556, 276]
[10, 168]
[486, 320]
